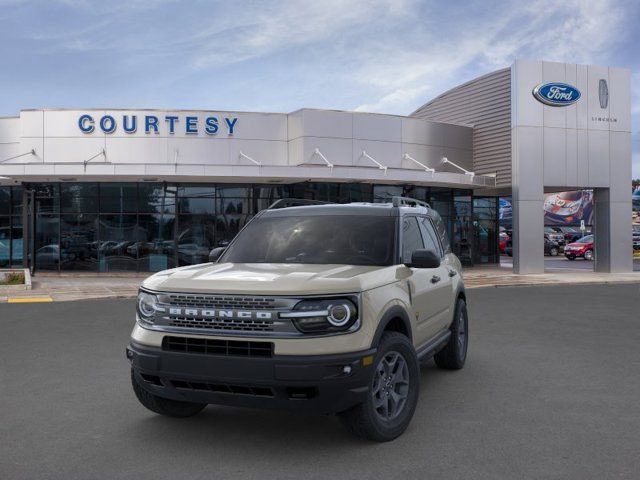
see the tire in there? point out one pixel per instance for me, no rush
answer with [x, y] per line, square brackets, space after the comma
[588, 255]
[164, 406]
[369, 420]
[553, 252]
[454, 354]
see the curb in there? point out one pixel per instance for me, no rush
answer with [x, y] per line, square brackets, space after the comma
[554, 284]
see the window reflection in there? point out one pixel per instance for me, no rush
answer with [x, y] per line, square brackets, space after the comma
[78, 242]
[195, 239]
[118, 236]
[47, 248]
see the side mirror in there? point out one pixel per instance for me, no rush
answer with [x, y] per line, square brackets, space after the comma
[424, 259]
[216, 253]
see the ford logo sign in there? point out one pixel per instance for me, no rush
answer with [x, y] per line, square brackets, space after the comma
[556, 94]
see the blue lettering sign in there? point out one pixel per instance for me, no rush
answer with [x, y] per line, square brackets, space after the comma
[556, 94]
[211, 125]
[108, 124]
[191, 124]
[130, 128]
[230, 124]
[150, 121]
[172, 121]
[85, 123]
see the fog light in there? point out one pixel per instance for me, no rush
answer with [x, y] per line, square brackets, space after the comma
[346, 369]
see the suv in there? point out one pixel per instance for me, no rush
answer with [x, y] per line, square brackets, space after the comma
[328, 308]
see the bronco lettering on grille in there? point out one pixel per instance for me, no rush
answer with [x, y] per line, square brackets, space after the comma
[212, 313]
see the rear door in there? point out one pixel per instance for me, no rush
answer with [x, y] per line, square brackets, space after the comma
[423, 283]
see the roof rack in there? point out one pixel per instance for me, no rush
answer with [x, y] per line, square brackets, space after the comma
[412, 202]
[294, 202]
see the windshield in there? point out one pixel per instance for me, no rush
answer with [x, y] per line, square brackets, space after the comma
[586, 239]
[324, 239]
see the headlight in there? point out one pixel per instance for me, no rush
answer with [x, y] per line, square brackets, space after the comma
[146, 306]
[329, 315]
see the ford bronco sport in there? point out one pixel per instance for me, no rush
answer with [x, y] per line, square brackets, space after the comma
[327, 308]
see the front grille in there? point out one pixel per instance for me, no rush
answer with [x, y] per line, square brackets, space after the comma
[222, 301]
[222, 324]
[208, 346]
[254, 391]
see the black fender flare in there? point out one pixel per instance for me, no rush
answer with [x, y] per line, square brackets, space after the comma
[396, 311]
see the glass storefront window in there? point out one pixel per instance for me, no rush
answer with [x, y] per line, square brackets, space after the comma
[5, 200]
[153, 198]
[156, 250]
[118, 235]
[5, 241]
[16, 241]
[196, 205]
[78, 242]
[196, 190]
[485, 223]
[195, 238]
[152, 226]
[79, 198]
[47, 249]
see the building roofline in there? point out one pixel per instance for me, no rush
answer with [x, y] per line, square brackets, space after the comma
[458, 87]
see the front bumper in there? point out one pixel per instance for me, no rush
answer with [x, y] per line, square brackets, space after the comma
[319, 383]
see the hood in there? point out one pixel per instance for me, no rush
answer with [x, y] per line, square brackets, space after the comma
[579, 245]
[271, 279]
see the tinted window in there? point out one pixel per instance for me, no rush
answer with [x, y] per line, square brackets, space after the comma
[430, 236]
[441, 230]
[326, 239]
[411, 238]
[5, 200]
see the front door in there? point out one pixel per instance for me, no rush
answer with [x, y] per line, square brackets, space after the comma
[428, 286]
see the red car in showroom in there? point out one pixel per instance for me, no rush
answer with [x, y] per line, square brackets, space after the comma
[582, 248]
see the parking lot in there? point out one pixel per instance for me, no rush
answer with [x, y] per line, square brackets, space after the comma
[550, 390]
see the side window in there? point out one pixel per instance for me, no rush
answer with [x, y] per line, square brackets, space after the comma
[441, 230]
[411, 238]
[430, 237]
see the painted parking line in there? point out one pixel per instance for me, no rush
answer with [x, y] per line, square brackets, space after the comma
[29, 299]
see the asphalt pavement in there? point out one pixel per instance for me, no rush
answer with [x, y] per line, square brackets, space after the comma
[550, 391]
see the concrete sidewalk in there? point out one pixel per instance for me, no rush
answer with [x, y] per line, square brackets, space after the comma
[77, 286]
[497, 276]
[81, 286]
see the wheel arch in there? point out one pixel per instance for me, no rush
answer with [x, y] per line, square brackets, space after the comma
[395, 319]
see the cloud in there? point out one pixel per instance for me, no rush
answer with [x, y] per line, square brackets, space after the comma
[288, 25]
[568, 31]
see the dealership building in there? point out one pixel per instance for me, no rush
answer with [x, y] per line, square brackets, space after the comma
[108, 190]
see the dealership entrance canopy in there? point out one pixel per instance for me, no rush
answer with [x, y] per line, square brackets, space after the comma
[117, 189]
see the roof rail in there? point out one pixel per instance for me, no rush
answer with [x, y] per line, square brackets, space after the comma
[294, 202]
[399, 201]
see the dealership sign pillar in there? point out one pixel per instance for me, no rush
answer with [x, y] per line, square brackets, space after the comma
[571, 129]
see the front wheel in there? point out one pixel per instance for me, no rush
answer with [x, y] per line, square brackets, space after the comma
[164, 406]
[453, 356]
[553, 252]
[392, 395]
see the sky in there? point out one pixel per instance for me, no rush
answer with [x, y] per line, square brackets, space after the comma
[388, 56]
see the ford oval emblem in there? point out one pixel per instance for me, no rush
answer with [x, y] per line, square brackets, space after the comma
[556, 94]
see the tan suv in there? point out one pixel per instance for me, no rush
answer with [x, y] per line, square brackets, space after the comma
[327, 308]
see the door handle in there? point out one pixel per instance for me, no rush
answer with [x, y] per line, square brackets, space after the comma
[435, 279]
[452, 273]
